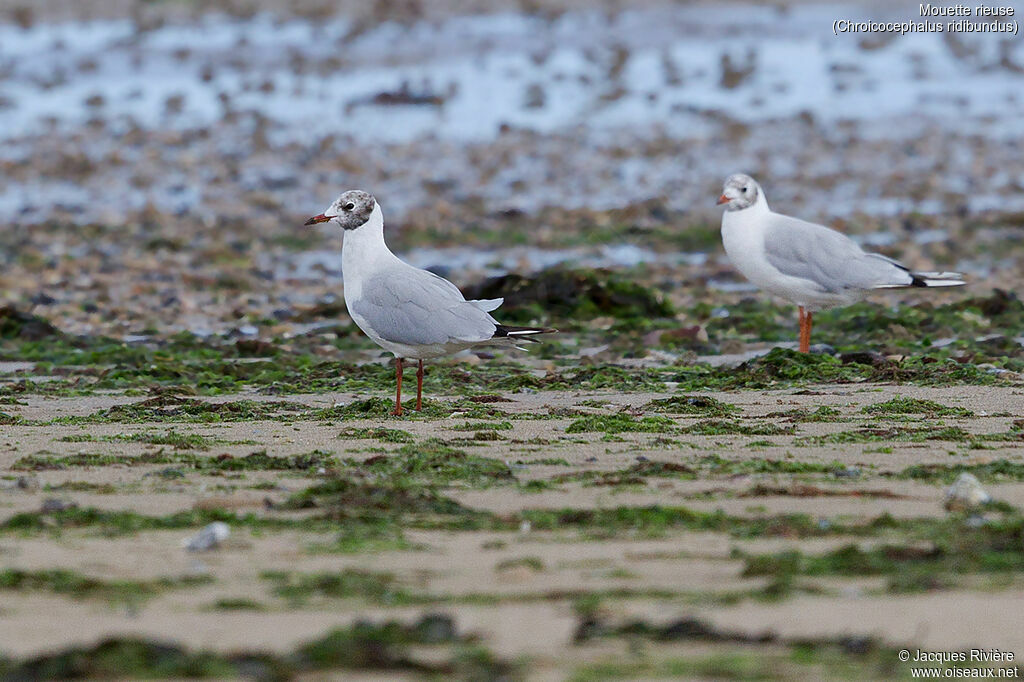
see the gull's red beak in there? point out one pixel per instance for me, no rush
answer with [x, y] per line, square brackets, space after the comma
[317, 219]
[723, 200]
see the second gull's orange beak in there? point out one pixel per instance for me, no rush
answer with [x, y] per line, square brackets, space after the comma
[723, 200]
[317, 219]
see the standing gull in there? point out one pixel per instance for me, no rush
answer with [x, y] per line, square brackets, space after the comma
[410, 312]
[810, 265]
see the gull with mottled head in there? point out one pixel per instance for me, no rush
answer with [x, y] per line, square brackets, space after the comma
[409, 312]
[810, 265]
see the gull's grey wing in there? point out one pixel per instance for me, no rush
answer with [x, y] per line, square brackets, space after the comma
[828, 258]
[415, 307]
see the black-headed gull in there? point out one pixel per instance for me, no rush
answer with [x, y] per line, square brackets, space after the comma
[808, 264]
[412, 313]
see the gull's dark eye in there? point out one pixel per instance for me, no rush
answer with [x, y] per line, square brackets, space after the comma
[745, 190]
[349, 206]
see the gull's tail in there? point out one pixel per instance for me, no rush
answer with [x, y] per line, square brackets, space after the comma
[523, 333]
[928, 279]
[504, 332]
[937, 279]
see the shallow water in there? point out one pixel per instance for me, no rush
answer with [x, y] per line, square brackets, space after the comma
[465, 77]
[573, 104]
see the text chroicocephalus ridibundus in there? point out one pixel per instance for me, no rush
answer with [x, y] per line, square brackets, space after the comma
[811, 265]
[412, 313]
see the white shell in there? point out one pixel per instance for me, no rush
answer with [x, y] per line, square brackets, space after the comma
[208, 538]
[965, 493]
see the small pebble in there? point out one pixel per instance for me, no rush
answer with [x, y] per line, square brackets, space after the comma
[208, 538]
[966, 493]
[975, 521]
[52, 505]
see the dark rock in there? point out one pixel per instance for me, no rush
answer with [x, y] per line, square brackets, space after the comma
[857, 645]
[561, 293]
[52, 505]
[329, 309]
[16, 324]
[871, 358]
[999, 303]
[255, 347]
[690, 628]
[435, 628]
[587, 629]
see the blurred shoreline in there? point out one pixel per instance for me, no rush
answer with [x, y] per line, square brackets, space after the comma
[186, 143]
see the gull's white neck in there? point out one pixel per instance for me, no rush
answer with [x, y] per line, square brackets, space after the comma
[749, 215]
[760, 206]
[364, 246]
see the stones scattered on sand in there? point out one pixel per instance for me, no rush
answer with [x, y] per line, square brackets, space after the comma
[847, 472]
[210, 537]
[52, 505]
[26, 483]
[966, 494]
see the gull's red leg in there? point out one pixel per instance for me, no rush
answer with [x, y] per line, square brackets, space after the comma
[419, 387]
[398, 392]
[808, 320]
[805, 336]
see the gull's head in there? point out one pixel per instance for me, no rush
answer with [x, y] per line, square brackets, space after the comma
[351, 210]
[740, 191]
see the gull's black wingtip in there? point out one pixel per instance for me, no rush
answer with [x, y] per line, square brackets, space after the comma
[503, 330]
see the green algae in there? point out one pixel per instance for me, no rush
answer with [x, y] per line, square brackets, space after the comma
[888, 434]
[383, 648]
[166, 408]
[237, 604]
[998, 470]
[902, 406]
[256, 461]
[987, 327]
[701, 405]
[376, 433]
[374, 587]
[434, 462]
[734, 655]
[621, 423]
[178, 441]
[78, 586]
[483, 426]
[721, 466]
[636, 474]
[113, 523]
[724, 427]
